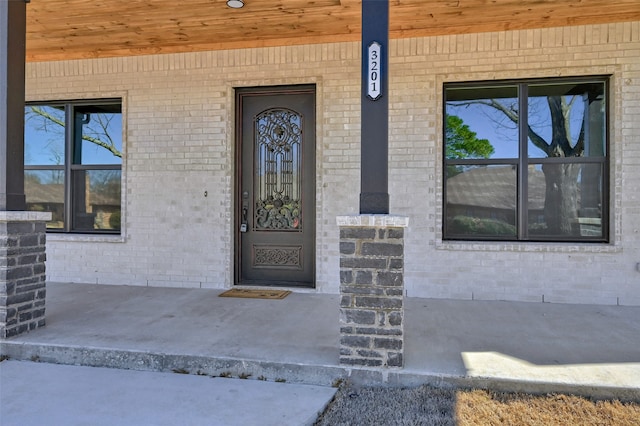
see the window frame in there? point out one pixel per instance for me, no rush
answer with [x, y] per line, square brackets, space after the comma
[70, 168]
[523, 161]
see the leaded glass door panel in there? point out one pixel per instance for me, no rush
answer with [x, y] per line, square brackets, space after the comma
[275, 214]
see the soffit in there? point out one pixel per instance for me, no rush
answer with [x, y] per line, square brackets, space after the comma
[75, 29]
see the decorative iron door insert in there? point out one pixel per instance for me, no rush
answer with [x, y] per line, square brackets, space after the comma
[276, 190]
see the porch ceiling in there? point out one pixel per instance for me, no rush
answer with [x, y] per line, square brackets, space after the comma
[75, 29]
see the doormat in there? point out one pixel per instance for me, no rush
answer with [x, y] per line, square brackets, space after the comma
[255, 294]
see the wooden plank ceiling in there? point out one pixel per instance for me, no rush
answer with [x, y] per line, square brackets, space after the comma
[74, 29]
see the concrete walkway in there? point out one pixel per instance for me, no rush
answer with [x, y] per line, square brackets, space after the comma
[534, 347]
[51, 394]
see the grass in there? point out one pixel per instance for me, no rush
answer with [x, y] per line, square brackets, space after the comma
[430, 406]
[481, 407]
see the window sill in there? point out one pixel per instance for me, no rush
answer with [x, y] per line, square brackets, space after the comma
[85, 238]
[527, 247]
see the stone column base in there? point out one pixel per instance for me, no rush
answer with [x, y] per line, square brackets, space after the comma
[372, 290]
[22, 271]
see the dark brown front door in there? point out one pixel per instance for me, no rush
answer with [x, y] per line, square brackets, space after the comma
[275, 214]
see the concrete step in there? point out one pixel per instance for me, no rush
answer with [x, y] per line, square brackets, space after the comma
[493, 371]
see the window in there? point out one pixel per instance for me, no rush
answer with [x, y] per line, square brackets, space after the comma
[73, 164]
[526, 160]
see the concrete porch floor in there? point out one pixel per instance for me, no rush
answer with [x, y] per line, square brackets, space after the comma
[590, 350]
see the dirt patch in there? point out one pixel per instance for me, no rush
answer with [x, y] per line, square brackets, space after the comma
[429, 406]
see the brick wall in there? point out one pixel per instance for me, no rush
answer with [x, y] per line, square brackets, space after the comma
[179, 144]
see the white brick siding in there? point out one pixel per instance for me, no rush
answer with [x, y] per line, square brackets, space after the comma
[179, 143]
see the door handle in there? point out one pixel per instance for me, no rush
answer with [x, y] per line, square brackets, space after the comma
[243, 225]
[245, 211]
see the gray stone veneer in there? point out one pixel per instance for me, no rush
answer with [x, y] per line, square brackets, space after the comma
[372, 290]
[22, 271]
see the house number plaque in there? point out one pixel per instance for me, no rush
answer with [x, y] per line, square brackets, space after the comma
[374, 80]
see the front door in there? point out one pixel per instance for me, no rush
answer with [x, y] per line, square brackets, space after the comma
[275, 209]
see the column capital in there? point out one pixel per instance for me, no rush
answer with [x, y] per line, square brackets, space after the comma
[24, 216]
[374, 220]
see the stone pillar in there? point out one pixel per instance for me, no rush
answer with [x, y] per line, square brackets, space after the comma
[22, 271]
[372, 290]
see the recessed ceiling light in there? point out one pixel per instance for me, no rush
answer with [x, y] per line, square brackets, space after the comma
[236, 4]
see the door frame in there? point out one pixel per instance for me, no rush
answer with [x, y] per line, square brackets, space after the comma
[239, 94]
